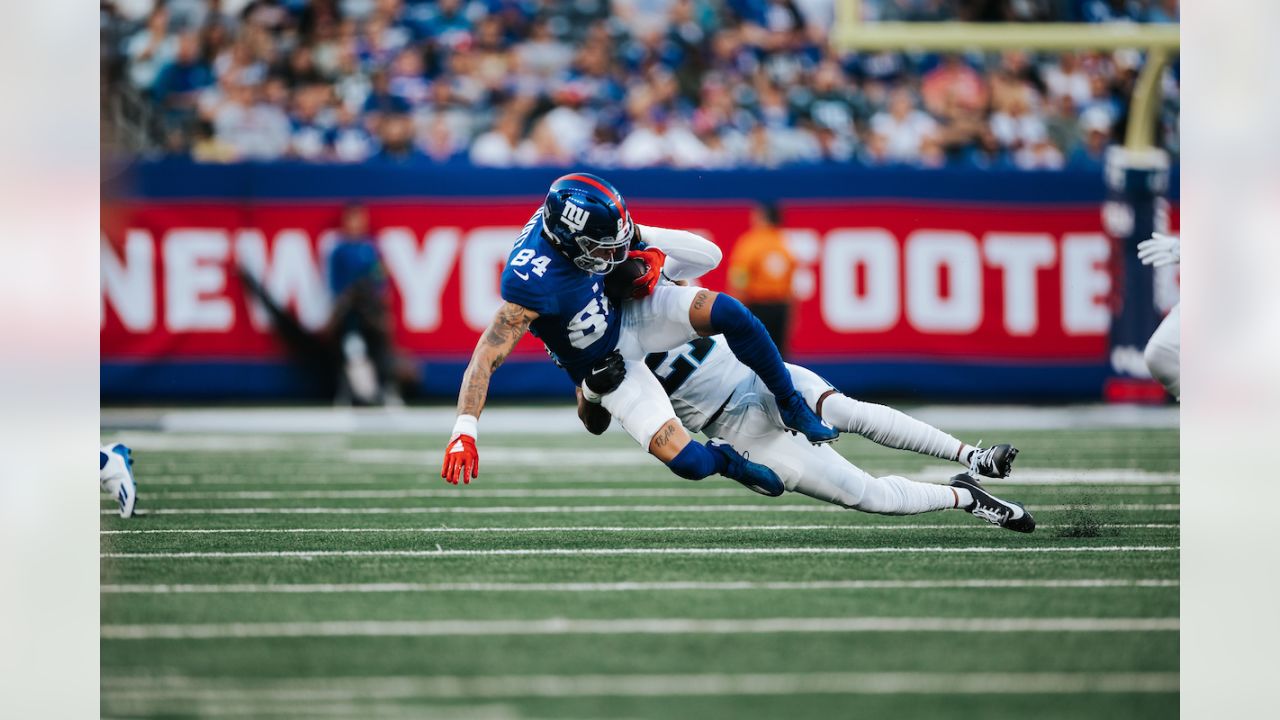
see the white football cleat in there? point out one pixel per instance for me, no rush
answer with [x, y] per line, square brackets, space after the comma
[115, 465]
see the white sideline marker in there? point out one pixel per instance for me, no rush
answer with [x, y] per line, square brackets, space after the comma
[663, 586]
[323, 690]
[607, 552]
[574, 509]
[628, 626]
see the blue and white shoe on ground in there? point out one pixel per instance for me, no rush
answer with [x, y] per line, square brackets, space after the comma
[115, 466]
[755, 476]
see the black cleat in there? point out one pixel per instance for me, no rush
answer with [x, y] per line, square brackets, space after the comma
[755, 476]
[985, 506]
[799, 418]
[993, 462]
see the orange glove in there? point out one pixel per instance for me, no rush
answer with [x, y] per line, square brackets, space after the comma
[654, 258]
[461, 460]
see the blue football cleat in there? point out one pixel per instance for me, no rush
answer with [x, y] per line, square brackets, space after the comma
[799, 418]
[115, 466]
[755, 476]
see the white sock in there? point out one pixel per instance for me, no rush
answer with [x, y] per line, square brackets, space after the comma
[964, 498]
[891, 428]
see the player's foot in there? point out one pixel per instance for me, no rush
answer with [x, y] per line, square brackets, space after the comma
[754, 475]
[116, 476]
[993, 462]
[799, 418]
[985, 506]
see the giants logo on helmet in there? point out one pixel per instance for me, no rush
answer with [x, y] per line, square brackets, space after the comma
[574, 216]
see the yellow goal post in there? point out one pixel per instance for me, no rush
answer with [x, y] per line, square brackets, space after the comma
[1160, 42]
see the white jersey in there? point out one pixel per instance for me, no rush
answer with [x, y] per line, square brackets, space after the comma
[699, 377]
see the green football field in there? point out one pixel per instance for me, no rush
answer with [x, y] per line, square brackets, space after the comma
[336, 575]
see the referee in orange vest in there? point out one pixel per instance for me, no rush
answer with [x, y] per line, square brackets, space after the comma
[760, 269]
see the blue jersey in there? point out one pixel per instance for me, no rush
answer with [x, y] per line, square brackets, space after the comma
[575, 320]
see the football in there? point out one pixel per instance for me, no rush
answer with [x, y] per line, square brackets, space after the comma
[619, 281]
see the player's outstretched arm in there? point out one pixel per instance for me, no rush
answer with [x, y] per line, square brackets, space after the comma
[461, 459]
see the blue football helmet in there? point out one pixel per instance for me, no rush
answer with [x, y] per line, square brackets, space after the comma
[586, 219]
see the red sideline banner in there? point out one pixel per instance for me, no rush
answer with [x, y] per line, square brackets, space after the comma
[906, 280]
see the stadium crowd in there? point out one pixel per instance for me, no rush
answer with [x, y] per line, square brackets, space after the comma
[615, 83]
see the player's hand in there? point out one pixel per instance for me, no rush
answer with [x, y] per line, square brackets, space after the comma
[654, 258]
[1160, 250]
[605, 377]
[461, 460]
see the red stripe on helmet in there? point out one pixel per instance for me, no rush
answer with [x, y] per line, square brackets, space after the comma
[602, 188]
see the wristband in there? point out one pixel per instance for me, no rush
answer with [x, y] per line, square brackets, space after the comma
[466, 425]
[590, 395]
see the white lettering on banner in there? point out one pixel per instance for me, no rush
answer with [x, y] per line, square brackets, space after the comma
[1020, 256]
[874, 306]
[130, 285]
[929, 254]
[805, 249]
[420, 274]
[290, 275]
[483, 255]
[195, 281]
[1086, 281]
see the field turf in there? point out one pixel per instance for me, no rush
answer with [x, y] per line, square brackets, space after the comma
[338, 576]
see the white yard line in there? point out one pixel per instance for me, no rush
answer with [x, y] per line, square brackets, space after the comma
[629, 626]
[573, 509]
[406, 493]
[657, 586]
[319, 690]
[597, 528]
[610, 552]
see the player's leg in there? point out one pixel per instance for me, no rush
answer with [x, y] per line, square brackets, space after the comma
[709, 313]
[893, 428]
[115, 476]
[1163, 352]
[823, 474]
[645, 412]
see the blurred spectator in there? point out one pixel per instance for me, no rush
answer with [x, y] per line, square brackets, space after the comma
[902, 127]
[395, 136]
[1037, 152]
[497, 147]
[760, 270]
[1090, 154]
[953, 81]
[150, 49]
[251, 124]
[177, 86]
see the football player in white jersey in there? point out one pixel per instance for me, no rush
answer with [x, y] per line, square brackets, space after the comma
[713, 393]
[1164, 347]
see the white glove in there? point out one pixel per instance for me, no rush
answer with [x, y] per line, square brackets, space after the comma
[1160, 250]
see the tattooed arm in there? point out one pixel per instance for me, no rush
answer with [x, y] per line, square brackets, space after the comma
[461, 459]
[508, 326]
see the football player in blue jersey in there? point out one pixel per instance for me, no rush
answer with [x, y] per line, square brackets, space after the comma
[554, 286]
